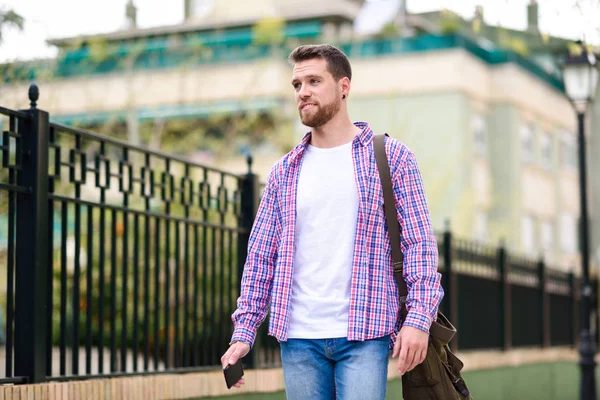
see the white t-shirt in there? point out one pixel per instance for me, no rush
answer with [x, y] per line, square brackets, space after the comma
[327, 210]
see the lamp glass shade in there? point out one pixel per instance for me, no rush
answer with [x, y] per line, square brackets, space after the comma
[580, 81]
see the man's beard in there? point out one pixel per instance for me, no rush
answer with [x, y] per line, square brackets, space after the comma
[323, 115]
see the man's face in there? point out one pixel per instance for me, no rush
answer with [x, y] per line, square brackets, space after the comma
[317, 93]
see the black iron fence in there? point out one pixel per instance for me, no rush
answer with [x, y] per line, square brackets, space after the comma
[121, 260]
[496, 300]
[500, 301]
[117, 259]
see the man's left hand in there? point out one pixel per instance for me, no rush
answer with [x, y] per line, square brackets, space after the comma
[411, 345]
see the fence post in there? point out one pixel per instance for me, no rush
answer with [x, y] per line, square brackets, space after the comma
[32, 268]
[572, 301]
[505, 300]
[544, 304]
[249, 198]
[450, 284]
[574, 309]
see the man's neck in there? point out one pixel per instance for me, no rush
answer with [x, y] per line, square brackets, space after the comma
[334, 133]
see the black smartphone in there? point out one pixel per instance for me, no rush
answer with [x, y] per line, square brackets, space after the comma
[233, 373]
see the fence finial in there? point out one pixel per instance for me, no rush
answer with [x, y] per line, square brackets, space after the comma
[34, 95]
[249, 162]
[447, 224]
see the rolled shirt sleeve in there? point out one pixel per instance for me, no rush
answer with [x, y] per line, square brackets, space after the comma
[257, 278]
[419, 247]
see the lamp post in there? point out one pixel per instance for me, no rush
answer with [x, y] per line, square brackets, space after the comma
[580, 76]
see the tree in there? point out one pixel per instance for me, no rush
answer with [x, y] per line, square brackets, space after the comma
[10, 18]
[268, 31]
[389, 31]
[450, 22]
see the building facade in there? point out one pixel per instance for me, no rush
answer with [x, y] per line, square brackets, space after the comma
[494, 134]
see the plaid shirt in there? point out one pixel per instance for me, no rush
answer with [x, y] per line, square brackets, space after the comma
[374, 303]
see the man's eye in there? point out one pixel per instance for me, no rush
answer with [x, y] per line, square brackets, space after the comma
[296, 85]
[314, 81]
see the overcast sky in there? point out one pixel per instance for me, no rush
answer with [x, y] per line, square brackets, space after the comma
[65, 18]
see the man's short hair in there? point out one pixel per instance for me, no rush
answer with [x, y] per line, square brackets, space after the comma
[337, 62]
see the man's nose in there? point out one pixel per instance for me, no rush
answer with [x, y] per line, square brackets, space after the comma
[304, 92]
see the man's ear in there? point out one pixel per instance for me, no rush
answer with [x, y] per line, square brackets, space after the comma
[345, 86]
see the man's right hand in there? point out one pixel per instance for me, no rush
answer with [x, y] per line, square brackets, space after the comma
[236, 351]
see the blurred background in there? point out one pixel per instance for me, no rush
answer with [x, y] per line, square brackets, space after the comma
[473, 87]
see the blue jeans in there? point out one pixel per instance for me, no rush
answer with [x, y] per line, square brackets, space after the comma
[327, 369]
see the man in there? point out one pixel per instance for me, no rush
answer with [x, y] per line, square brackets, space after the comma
[319, 252]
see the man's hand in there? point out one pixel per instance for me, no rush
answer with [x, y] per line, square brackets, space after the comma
[411, 344]
[236, 351]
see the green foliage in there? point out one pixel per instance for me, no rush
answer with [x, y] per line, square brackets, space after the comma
[476, 25]
[135, 50]
[100, 50]
[162, 259]
[220, 134]
[515, 44]
[269, 31]
[10, 18]
[519, 46]
[389, 31]
[450, 22]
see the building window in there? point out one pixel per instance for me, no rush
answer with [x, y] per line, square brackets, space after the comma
[547, 237]
[480, 228]
[527, 151]
[527, 234]
[478, 126]
[568, 151]
[568, 233]
[546, 150]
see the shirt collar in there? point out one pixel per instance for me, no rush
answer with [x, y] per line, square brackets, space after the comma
[364, 138]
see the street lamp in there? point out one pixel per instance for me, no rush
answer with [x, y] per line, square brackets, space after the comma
[580, 75]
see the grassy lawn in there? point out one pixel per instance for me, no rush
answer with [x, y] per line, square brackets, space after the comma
[557, 381]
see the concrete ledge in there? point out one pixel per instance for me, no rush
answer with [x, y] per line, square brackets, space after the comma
[182, 386]
[479, 360]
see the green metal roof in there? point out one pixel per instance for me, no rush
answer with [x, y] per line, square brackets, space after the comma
[236, 47]
[376, 48]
